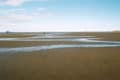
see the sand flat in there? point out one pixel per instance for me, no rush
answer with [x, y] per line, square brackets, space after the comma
[15, 35]
[31, 43]
[70, 64]
[113, 36]
[101, 63]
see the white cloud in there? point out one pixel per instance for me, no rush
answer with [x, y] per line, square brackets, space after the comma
[16, 18]
[13, 2]
[16, 2]
[23, 16]
[15, 15]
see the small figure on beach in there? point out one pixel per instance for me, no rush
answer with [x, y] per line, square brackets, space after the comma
[7, 32]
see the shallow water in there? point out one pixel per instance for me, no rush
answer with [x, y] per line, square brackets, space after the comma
[93, 42]
[47, 47]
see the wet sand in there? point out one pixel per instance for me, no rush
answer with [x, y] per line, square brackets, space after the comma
[61, 64]
[31, 43]
[113, 36]
[16, 35]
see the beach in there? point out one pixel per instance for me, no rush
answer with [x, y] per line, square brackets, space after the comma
[91, 59]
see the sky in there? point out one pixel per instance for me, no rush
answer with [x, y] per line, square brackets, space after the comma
[59, 15]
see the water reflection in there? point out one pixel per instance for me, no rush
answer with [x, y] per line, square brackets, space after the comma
[93, 42]
[39, 48]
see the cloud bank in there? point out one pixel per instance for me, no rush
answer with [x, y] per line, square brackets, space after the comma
[16, 2]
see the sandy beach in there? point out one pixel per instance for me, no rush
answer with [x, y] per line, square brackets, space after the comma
[71, 63]
[59, 39]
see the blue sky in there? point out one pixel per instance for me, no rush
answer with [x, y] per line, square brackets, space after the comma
[59, 15]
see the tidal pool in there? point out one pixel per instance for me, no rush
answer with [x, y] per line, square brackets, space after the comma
[89, 43]
[47, 47]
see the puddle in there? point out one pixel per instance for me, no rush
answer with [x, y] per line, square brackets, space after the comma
[50, 39]
[39, 48]
[7, 39]
[93, 42]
